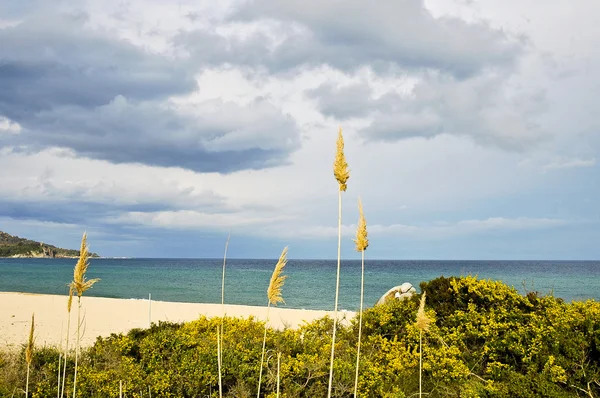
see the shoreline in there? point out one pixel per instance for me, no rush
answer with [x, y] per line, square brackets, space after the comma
[104, 316]
[48, 257]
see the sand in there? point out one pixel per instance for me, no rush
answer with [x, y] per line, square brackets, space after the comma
[104, 316]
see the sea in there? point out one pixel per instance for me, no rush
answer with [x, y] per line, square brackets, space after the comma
[310, 284]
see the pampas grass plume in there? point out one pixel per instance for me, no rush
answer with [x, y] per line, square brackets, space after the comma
[70, 300]
[423, 320]
[80, 284]
[340, 166]
[29, 349]
[361, 241]
[277, 280]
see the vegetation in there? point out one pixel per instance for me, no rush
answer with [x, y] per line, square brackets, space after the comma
[484, 340]
[13, 246]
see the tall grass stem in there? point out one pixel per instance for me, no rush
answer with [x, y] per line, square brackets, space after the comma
[337, 291]
[360, 314]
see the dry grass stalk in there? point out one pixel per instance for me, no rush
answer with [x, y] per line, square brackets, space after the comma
[341, 174]
[60, 352]
[274, 297]
[69, 304]
[361, 242]
[29, 353]
[220, 333]
[278, 371]
[80, 285]
[422, 323]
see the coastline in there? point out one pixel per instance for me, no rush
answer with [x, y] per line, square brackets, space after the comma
[104, 316]
[45, 256]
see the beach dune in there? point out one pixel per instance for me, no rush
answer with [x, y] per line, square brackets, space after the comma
[103, 316]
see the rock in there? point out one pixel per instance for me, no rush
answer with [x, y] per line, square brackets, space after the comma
[405, 290]
[406, 287]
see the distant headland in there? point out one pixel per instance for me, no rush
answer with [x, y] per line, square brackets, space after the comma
[16, 247]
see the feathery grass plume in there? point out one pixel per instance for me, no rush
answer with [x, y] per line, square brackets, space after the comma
[361, 242]
[341, 174]
[273, 297]
[69, 305]
[340, 167]
[79, 285]
[423, 320]
[422, 323]
[29, 353]
[220, 333]
[277, 280]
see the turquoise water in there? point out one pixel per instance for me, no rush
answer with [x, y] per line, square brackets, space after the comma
[310, 283]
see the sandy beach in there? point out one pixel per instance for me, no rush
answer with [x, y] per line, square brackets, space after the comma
[104, 316]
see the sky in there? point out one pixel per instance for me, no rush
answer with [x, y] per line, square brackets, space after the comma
[159, 127]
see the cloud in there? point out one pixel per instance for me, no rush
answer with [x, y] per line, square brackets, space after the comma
[52, 185]
[519, 223]
[350, 34]
[206, 139]
[156, 124]
[189, 219]
[278, 225]
[484, 108]
[58, 60]
[69, 86]
[440, 230]
[7, 126]
[569, 164]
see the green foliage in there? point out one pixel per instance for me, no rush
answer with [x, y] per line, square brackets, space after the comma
[14, 246]
[485, 340]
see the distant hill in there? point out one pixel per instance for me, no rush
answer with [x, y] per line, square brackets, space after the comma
[13, 246]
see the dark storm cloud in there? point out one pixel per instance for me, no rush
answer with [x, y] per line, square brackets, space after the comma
[48, 62]
[124, 132]
[74, 87]
[62, 212]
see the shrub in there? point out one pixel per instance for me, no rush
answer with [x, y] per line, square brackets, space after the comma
[485, 340]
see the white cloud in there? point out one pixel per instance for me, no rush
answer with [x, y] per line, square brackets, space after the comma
[7, 126]
[278, 226]
[569, 164]
[434, 231]
[189, 219]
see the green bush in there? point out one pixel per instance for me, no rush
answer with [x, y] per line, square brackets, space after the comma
[485, 340]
